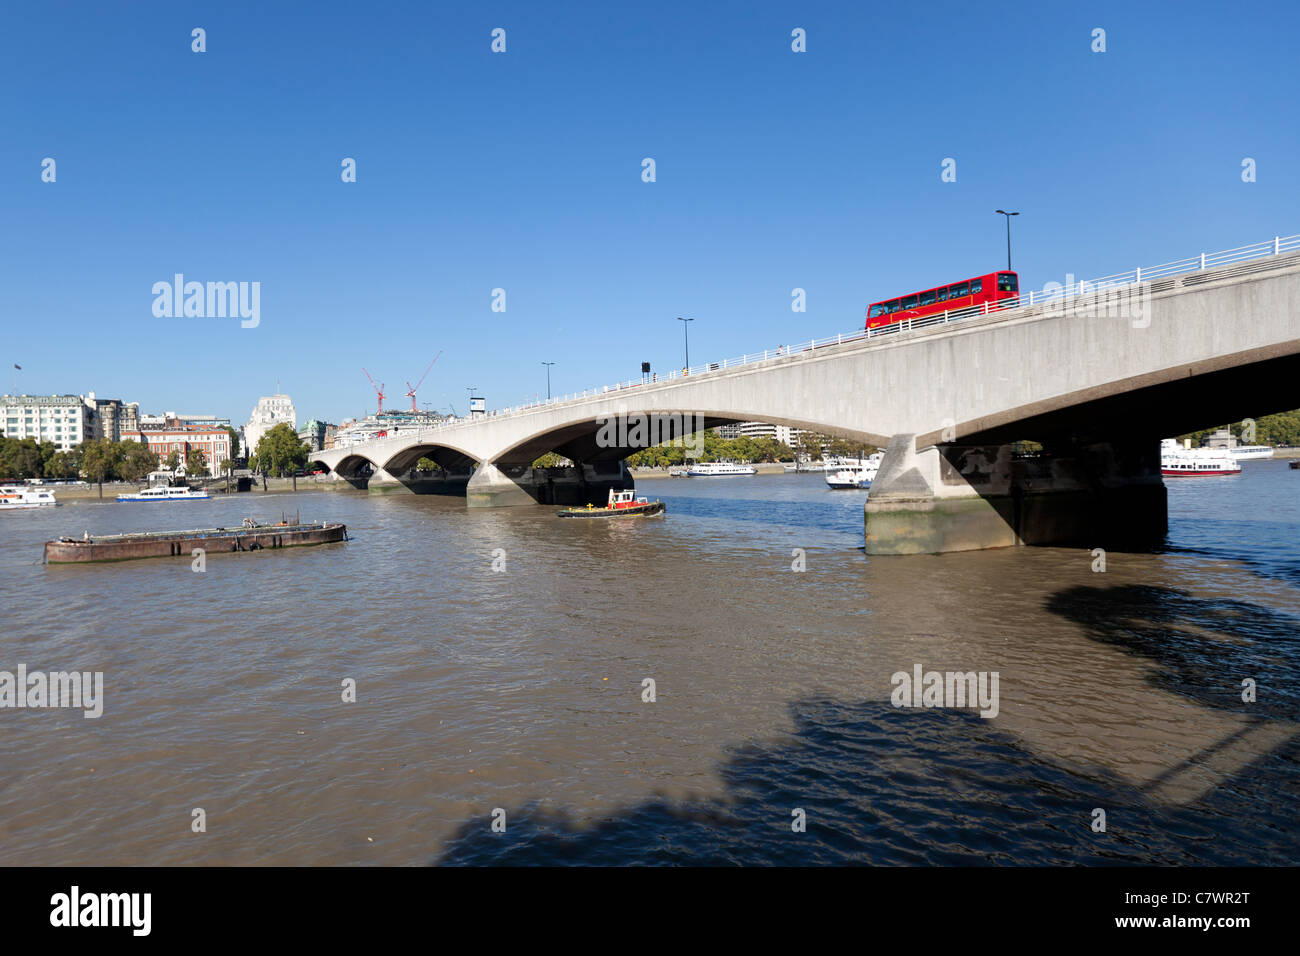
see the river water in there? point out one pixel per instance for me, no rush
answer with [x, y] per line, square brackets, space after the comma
[521, 690]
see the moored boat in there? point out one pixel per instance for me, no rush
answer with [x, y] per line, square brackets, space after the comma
[719, 469]
[621, 504]
[854, 474]
[25, 496]
[1251, 452]
[161, 544]
[164, 493]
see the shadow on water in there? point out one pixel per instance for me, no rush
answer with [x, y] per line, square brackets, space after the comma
[1200, 648]
[892, 787]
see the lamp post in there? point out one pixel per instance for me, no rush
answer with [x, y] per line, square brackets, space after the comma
[548, 379]
[1008, 215]
[687, 338]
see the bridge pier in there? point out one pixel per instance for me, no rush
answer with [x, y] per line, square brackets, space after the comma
[506, 485]
[444, 482]
[382, 483]
[967, 497]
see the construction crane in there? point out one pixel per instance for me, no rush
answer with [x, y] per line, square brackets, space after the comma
[410, 389]
[379, 390]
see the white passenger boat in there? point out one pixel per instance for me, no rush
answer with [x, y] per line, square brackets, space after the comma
[25, 496]
[854, 473]
[1251, 452]
[719, 469]
[164, 493]
[1178, 462]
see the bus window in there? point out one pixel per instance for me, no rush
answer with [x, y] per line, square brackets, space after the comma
[893, 306]
[876, 310]
[943, 294]
[927, 298]
[909, 302]
[976, 286]
[959, 290]
[1006, 282]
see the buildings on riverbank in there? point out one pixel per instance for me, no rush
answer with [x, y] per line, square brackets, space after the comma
[271, 410]
[175, 436]
[66, 420]
[784, 434]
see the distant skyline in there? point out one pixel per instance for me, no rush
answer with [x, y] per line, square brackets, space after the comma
[522, 171]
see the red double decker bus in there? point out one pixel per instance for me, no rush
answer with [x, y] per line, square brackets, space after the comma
[991, 288]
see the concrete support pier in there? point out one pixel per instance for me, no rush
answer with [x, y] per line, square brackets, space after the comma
[445, 482]
[966, 497]
[382, 483]
[501, 486]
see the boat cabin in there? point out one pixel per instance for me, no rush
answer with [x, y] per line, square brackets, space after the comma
[623, 499]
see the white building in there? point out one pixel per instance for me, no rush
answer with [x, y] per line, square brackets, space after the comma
[784, 434]
[113, 417]
[271, 410]
[65, 420]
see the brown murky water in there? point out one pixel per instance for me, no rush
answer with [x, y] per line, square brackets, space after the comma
[522, 689]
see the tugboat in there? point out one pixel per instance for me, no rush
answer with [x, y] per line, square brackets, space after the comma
[621, 504]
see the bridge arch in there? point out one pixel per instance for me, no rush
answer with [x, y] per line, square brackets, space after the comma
[354, 465]
[588, 439]
[448, 457]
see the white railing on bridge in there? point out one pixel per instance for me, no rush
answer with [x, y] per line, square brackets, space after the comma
[1279, 245]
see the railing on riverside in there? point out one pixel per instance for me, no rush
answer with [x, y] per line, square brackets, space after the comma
[1279, 245]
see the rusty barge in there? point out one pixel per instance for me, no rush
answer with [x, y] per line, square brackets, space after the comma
[161, 544]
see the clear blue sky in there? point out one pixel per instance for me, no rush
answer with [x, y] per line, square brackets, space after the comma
[477, 170]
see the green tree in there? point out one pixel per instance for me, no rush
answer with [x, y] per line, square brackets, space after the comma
[234, 444]
[99, 460]
[48, 451]
[20, 458]
[196, 463]
[810, 445]
[136, 460]
[173, 460]
[63, 464]
[551, 460]
[280, 451]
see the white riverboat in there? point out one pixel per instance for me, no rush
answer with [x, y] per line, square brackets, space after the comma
[852, 473]
[1251, 452]
[13, 497]
[164, 493]
[1179, 462]
[719, 469]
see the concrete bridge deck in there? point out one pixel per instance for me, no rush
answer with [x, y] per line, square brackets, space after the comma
[1097, 380]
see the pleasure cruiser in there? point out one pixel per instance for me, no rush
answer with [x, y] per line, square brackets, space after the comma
[164, 493]
[25, 496]
[1178, 462]
[854, 474]
[719, 469]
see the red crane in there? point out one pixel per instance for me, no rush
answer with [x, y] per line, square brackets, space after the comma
[379, 390]
[410, 389]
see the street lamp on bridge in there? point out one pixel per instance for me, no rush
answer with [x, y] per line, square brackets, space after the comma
[548, 379]
[686, 336]
[1008, 215]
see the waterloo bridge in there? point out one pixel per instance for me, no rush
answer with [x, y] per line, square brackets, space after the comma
[1096, 372]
